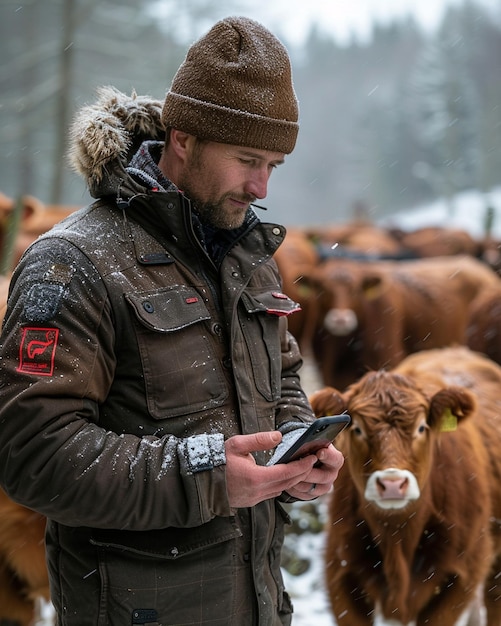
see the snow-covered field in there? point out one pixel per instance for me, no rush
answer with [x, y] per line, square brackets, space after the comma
[467, 211]
[308, 594]
[311, 607]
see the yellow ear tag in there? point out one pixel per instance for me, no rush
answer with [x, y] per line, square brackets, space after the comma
[373, 292]
[449, 421]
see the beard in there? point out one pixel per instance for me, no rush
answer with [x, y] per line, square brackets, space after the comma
[217, 214]
[218, 211]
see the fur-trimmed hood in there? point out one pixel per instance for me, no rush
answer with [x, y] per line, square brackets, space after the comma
[105, 135]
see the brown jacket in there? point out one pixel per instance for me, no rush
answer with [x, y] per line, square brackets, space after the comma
[127, 359]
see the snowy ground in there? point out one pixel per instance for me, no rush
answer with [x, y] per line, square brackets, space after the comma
[307, 591]
[467, 211]
[311, 607]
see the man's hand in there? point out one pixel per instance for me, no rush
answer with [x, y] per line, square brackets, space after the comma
[248, 483]
[320, 479]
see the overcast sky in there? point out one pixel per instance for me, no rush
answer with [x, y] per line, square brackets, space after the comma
[343, 18]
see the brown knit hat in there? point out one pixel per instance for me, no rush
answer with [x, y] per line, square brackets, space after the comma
[235, 86]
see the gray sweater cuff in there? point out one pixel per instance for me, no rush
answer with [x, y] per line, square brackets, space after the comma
[200, 453]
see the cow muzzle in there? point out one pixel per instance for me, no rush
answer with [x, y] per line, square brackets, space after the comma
[340, 322]
[392, 488]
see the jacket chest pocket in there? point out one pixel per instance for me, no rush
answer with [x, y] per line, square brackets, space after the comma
[181, 371]
[263, 336]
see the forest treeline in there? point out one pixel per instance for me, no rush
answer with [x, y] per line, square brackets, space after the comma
[397, 121]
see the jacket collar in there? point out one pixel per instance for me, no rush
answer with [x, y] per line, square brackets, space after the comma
[144, 169]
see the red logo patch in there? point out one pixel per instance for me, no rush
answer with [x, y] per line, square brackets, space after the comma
[37, 351]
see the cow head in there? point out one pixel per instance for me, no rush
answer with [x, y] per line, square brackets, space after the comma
[12, 225]
[395, 427]
[342, 289]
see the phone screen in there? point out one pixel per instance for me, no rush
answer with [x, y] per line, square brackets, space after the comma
[318, 435]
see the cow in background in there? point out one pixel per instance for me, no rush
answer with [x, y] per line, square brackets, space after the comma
[363, 239]
[433, 241]
[356, 239]
[297, 255]
[4, 292]
[414, 531]
[35, 219]
[484, 325]
[23, 571]
[371, 315]
[24, 579]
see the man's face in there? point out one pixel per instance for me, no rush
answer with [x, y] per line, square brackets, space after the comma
[222, 180]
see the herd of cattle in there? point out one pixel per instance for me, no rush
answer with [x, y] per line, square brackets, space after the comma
[371, 296]
[405, 330]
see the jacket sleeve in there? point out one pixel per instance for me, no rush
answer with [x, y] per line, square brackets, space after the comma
[57, 362]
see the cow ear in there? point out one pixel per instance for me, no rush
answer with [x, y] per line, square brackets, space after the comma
[449, 406]
[31, 207]
[305, 284]
[372, 286]
[327, 401]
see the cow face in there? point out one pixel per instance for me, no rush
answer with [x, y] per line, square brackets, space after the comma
[13, 217]
[342, 289]
[395, 427]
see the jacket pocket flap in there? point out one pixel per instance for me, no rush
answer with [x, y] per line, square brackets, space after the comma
[272, 302]
[169, 309]
[169, 543]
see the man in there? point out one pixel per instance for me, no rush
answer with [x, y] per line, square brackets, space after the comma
[147, 374]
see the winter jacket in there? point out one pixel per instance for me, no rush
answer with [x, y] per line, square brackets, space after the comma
[128, 356]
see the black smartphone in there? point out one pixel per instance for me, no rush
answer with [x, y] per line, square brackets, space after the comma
[318, 435]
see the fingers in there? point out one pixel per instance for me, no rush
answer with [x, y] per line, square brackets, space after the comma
[245, 444]
[319, 481]
[331, 457]
[309, 491]
[248, 483]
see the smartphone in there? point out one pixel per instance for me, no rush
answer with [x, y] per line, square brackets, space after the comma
[318, 435]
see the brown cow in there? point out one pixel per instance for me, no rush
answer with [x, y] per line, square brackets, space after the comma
[484, 324]
[4, 291]
[358, 238]
[36, 218]
[371, 315]
[414, 532]
[23, 572]
[431, 241]
[294, 257]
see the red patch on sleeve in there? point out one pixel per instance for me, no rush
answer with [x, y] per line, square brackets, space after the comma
[38, 350]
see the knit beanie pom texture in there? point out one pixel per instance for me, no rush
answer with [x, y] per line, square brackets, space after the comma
[235, 86]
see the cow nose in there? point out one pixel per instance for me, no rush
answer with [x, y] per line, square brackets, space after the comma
[340, 322]
[393, 487]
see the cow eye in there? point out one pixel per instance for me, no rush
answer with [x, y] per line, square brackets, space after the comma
[422, 428]
[357, 431]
